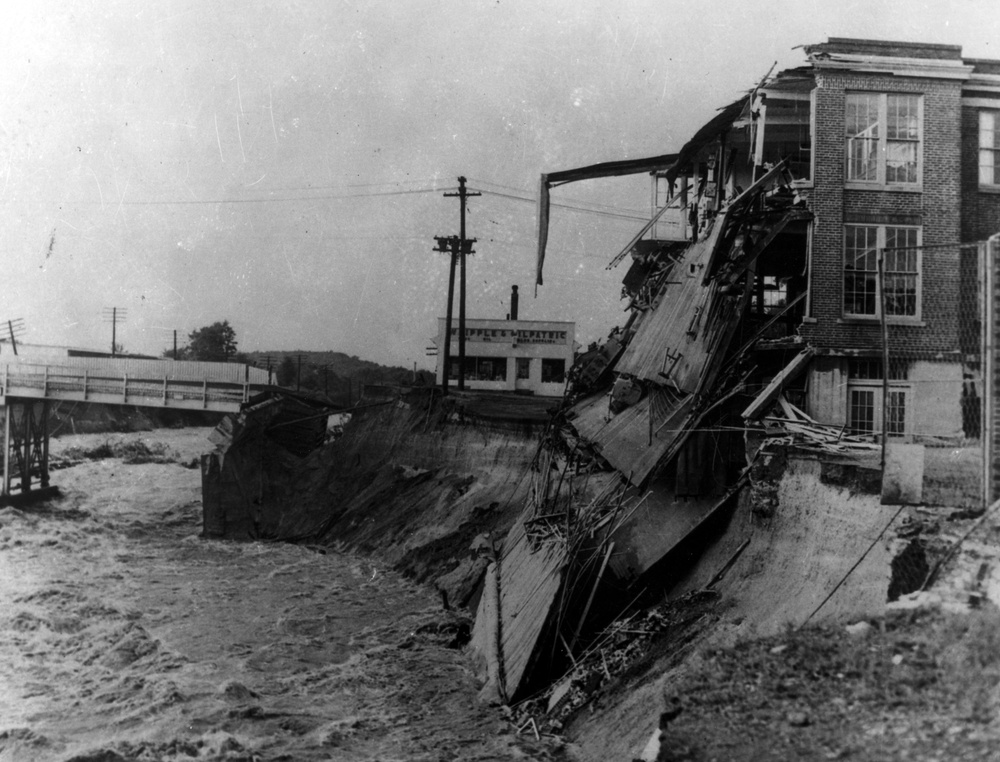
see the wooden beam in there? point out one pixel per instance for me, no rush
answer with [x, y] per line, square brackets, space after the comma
[759, 406]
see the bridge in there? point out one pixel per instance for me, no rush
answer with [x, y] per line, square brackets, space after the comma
[27, 388]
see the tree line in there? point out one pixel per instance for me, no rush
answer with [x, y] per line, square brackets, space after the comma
[337, 375]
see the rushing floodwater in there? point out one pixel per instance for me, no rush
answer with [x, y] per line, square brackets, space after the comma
[126, 636]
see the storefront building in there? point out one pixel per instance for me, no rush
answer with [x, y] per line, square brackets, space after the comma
[527, 356]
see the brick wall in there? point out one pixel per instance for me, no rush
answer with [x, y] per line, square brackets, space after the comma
[936, 208]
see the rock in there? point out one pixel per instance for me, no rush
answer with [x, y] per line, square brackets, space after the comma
[858, 629]
[797, 719]
[779, 649]
[235, 691]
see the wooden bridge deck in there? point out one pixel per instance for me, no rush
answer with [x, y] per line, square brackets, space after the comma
[25, 381]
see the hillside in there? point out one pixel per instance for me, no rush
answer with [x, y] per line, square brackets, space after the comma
[338, 375]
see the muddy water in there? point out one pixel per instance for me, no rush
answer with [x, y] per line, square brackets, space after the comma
[124, 635]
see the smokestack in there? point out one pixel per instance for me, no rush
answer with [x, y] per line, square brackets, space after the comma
[513, 302]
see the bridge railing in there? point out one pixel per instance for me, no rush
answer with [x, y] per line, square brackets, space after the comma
[75, 383]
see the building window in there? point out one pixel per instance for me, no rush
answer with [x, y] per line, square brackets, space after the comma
[481, 369]
[883, 134]
[902, 270]
[523, 368]
[862, 407]
[989, 147]
[864, 397]
[553, 371]
[774, 294]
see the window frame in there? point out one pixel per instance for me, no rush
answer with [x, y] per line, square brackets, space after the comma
[993, 150]
[547, 364]
[881, 235]
[871, 383]
[882, 142]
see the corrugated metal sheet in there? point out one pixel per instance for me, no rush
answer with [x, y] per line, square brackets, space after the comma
[624, 439]
[674, 344]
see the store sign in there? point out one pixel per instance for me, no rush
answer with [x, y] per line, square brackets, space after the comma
[511, 336]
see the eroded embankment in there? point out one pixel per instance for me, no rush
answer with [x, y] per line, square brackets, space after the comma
[411, 486]
[803, 530]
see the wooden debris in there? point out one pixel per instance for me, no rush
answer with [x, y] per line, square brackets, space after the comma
[802, 431]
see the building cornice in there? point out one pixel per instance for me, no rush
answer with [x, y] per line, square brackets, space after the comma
[931, 68]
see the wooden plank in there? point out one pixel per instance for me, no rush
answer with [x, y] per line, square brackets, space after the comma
[529, 583]
[770, 392]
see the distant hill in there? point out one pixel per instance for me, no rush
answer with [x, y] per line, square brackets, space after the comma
[338, 375]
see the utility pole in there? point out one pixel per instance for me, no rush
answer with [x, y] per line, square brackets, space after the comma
[14, 329]
[459, 247]
[114, 315]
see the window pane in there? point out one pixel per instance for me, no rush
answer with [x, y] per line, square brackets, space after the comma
[987, 167]
[862, 115]
[553, 371]
[900, 162]
[896, 414]
[862, 136]
[862, 412]
[523, 367]
[987, 129]
[860, 270]
[901, 275]
[989, 147]
[862, 159]
[902, 117]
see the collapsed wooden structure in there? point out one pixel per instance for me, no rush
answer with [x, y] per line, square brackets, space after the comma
[644, 414]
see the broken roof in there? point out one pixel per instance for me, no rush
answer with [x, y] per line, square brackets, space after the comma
[884, 48]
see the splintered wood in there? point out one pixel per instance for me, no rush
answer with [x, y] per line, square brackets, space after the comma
[797, 428]
[538, 592]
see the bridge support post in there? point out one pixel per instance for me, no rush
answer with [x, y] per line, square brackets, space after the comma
[25, 446]
[7, 470]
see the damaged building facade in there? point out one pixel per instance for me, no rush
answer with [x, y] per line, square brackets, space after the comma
[875, 146]
[817, 235]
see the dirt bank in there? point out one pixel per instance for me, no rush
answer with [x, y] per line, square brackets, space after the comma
[412, 485]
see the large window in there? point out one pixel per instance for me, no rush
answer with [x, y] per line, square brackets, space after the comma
[902, 270]
[989, 147]
[553, 371]
[883, 133]
[481, 369]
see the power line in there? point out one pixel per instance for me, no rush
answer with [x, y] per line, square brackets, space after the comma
[273, 199]
[618, 215]
[530, 194]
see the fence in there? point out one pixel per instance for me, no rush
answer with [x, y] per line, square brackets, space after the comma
[990, 274]
[936, 382]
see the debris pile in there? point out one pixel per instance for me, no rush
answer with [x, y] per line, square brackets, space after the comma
[796, 428]
[614, 655]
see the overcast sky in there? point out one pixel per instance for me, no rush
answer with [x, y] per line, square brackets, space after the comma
[281, 164]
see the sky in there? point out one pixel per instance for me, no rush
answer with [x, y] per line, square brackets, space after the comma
[282, 165]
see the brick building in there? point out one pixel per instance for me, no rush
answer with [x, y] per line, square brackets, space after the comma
[872, 154]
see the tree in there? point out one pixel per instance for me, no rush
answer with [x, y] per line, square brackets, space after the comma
[212, 343]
